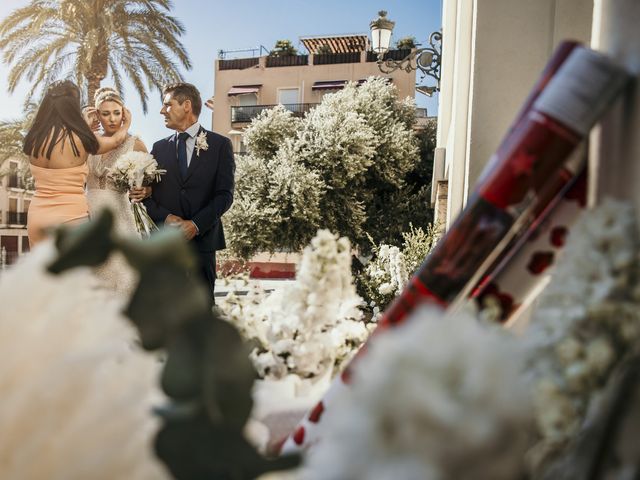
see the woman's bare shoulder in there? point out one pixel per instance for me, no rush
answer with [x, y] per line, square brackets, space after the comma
[139, 146]
[63, 154]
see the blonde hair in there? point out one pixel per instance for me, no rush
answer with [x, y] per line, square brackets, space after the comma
[107, 94]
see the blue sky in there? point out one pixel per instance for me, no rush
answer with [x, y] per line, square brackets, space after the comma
[237, 24]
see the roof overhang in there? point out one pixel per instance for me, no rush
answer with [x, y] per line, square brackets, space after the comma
[351, 42]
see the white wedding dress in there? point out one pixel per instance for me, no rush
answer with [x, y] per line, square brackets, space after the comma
[115, 274]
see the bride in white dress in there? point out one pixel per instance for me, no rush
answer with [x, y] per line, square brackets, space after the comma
[107, 113]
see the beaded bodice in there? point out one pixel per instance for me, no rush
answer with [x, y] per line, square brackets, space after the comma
[99, 165]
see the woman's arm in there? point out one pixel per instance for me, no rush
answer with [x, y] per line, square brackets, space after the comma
[106, 144]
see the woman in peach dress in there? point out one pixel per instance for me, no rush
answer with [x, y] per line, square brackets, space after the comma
[58, 145]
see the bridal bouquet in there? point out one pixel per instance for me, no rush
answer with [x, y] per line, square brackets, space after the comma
[136, 169]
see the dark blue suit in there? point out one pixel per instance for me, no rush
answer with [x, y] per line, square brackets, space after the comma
[202, 196]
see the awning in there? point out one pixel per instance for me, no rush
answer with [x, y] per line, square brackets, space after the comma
[329, 85]
[209, 103]
[243, 89]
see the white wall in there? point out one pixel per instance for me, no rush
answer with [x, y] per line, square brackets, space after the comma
[493, 52]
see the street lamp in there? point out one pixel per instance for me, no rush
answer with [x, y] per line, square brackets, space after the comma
[427, 59]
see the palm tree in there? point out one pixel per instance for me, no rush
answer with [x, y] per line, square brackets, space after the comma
[88, 39]
[12, 133]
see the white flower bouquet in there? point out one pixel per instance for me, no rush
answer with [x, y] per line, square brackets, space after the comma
[137, 169]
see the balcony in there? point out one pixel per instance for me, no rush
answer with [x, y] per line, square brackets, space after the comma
[287, 61]
[334, 58]
[304, 60]
[238, 63]
[17, 218]
[244, 114]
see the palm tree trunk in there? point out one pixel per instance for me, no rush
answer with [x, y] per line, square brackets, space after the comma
[98, 72]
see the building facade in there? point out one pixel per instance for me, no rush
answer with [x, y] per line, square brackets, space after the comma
[15, 196]
[244, 87]
[493, 52]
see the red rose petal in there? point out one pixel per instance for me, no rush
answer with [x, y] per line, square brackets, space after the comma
[316, 413]
[345, 376]
[298, 436]
[558, 236]
[540, 262]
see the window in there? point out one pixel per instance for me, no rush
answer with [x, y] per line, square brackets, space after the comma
[247, 100]
[288, 96]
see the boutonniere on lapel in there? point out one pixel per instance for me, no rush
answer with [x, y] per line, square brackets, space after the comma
[201, 143]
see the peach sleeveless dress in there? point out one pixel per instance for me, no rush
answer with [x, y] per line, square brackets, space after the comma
[59, 198]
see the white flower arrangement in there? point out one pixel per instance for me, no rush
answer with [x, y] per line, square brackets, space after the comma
[310, 327]
[136, 169]
[586, 321]
[201, 143]
[428, 400]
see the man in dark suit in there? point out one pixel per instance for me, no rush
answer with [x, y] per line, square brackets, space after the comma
[198, 186]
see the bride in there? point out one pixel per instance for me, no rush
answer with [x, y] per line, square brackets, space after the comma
[101, 192]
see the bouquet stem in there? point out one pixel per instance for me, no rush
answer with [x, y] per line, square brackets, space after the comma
[144, 223]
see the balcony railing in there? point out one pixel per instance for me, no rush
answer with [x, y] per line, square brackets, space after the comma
[238, 63]
[301, 60]
[16, 218]
[245, 114]
[288, 61]
[390, 55]
[333, 58]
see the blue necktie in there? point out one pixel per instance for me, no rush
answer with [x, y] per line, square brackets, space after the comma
[182, 154]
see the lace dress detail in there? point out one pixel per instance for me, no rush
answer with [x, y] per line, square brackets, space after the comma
[115, 274]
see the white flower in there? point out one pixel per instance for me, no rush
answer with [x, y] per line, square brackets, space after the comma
[600, 354]
[201, 142]
[440, 411]
[134, 169]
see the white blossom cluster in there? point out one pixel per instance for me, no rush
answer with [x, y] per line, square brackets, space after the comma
[389, 270]
[433, 399]
[587, 320]
[269, 131]
[134, 169]
[310, 326]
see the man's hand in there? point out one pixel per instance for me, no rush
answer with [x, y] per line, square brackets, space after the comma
[137, 194]
[188, 228]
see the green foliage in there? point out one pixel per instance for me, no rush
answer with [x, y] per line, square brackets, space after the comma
[323, 49]
[86, 40]
[411, 204]
[417, 244]
[406, 43]
[12, 133]
[283, 48]
[207, 375]
[276, 201]
[359, 156]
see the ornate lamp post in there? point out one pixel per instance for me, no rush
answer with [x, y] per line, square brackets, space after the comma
[426, 60]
